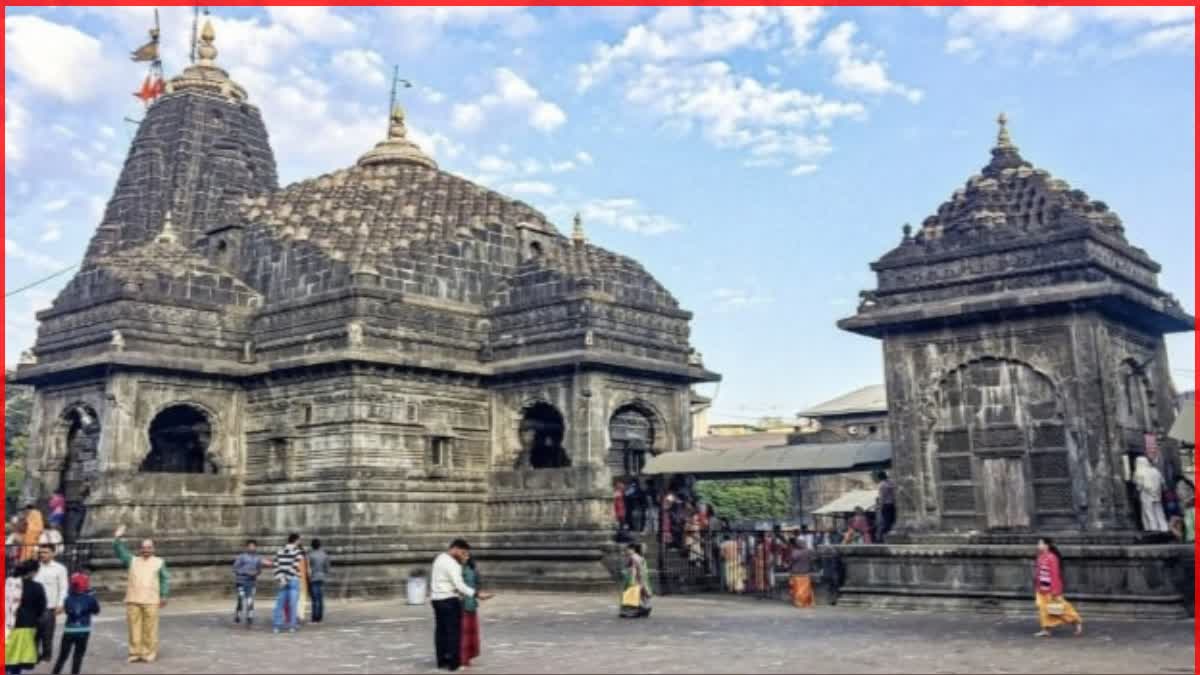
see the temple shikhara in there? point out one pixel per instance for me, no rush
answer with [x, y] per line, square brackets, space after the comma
[1026, 372]
[387, 356]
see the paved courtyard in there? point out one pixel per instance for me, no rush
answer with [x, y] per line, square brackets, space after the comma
[547, 633]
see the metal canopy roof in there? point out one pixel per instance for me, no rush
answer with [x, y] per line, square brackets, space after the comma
[803, 458]
[847, 503]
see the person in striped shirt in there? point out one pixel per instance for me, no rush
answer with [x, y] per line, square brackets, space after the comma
[287, 575]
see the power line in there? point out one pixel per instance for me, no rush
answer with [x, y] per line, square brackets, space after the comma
[40, 281]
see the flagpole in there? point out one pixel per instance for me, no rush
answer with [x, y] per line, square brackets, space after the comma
[195, 28]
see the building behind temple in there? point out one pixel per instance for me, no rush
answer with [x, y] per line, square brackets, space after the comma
[385, 356]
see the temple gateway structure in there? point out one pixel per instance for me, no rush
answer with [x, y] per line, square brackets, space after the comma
[386, 356]
[1023, 349]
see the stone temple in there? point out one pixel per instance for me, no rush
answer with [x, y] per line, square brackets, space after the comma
[386, 356]
[1023, 348]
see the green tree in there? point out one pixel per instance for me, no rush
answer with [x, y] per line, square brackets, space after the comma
[18, 408]
[748, 499]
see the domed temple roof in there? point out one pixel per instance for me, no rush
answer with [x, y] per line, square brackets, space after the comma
[1012, 236]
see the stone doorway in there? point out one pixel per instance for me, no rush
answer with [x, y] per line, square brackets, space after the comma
[541, 432]
[179, 439]
[81, 426]
[631, 433]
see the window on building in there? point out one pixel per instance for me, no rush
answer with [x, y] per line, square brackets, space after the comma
[441, 451]
[541, 434]
[179, 440]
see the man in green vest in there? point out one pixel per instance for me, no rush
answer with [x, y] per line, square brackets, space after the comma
[145, 593]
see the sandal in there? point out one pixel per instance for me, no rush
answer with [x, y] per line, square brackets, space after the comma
[1042, 634]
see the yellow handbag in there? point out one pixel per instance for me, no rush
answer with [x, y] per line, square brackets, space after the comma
[632, 597]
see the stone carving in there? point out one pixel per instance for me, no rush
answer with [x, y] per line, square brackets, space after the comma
[117, 341]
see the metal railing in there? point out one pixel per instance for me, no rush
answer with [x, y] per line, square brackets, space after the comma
[751, 563]
[76, 557]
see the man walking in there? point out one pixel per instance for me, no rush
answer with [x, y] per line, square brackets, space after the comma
[318, 570]
[53, 577]
[886, 501]
[145, 593]
[446, 590]
[287, 575]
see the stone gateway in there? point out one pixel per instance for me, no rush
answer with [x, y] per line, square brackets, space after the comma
[1026, 370]
[386, 356]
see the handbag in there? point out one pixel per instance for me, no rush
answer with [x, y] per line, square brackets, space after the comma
[632, 597]
[1056, 608]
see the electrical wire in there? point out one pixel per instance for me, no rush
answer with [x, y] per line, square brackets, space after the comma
[39, 282]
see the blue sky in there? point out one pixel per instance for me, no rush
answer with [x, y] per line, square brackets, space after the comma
[755, 160]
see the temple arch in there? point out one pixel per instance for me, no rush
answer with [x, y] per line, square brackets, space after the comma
[180, 436]
[541, 433]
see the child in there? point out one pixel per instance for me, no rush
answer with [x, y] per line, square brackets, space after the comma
[20, 640]
[246, 569]
[79, 607]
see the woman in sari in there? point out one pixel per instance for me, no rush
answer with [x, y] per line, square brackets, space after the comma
[302, 605]
[29, 605]
[636, 591]
[33, 532]
[691, 537]
[471, 639]
[1053, 608]
[799, 581]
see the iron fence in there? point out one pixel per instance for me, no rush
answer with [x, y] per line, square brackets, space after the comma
[751, 563]
[76, 557]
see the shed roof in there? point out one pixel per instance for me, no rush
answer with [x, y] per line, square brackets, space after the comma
[847, 503]
[810, 458]
[868, 399]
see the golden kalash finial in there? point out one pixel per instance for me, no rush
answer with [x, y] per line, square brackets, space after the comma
[206, 52]
[1002, 138]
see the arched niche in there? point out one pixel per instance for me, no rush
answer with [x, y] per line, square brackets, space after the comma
[79, 429]
[180, 436]
[541, 433]
[632, 434]
[998, 455]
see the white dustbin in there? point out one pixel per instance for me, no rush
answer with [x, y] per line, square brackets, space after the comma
[416, 590]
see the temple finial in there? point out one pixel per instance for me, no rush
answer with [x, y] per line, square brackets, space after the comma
[206, 51]
[1002, 138]
[577, 234]
[396, 128]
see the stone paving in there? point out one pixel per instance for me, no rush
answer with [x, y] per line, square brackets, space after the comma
[548, 633]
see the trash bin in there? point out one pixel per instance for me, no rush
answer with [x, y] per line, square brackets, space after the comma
[416, 590]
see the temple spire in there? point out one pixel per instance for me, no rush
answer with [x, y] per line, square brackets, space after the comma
[577, 234]
[206, 52]
[1002, 138]
[396, 148]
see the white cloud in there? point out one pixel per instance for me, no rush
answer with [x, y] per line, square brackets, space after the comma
[532, 187]
[494, 164]
[583, 158]
[431, 95]
[510, 93]
[562, 167]
[425, 26]
[804, 169]
[467, 117]
[624, 213]
[320, 24]
[54, 59]
[1053, 28]
[362, 65]
[857, 72]
[696, 34]
[16, 119]
[731, 299]
[738, 112]
[52, 232]
[29, 258]
[56, 205]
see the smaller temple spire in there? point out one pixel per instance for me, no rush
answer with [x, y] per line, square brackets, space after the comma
[1002, 138]
[167, 235]
[577, 234]
[397, 148]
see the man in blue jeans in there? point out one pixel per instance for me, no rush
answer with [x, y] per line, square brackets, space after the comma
[246, 569]
[318, 570]
[287, 575]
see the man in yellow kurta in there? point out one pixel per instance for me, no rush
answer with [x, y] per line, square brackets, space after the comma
[145, 593]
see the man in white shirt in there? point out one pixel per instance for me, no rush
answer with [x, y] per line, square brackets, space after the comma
[446, 590]
[53, 577]
[52, 536]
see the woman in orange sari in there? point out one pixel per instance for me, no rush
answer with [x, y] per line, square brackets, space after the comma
[33, 532]
[799, 581]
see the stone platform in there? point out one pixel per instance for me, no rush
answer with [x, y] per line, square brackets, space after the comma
[1101, 580]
